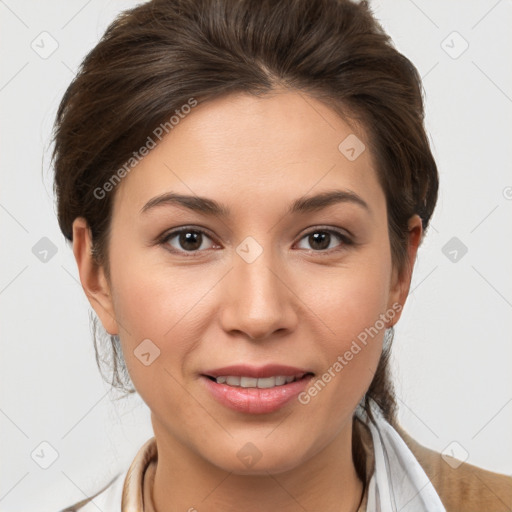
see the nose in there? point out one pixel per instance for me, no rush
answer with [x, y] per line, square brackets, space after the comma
[257, 300]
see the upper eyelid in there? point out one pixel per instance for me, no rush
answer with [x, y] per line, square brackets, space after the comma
[347, 239]
[171, 234]
[175, 232]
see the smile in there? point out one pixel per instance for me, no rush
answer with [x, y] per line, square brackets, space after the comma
[252, 382]
[255, 395]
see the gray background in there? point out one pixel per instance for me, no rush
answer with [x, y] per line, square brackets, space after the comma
[452, 350]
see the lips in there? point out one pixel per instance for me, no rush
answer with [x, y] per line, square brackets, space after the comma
[255, 390]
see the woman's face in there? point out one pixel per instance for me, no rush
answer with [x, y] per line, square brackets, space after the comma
[265, 273]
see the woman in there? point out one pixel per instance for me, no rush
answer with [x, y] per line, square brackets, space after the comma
[246, 185]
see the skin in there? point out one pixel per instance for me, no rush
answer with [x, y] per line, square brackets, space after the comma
[297, 304]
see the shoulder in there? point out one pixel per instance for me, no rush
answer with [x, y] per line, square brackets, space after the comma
[107, 499]
[465, 486]
[124, 489]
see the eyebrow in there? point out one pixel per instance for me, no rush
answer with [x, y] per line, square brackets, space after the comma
[213, 208]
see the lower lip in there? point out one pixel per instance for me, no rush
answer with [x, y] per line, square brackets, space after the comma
[255, 400]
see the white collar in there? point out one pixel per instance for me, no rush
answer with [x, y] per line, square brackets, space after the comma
[398, 482]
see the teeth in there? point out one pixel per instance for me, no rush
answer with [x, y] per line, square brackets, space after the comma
[252, 382]
[249, 382]
[268, 382]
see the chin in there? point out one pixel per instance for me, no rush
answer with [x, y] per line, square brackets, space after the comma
[248, 459]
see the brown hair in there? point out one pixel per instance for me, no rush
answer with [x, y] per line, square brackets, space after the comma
[154, 58]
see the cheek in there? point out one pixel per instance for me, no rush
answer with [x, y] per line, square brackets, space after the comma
[167, 306]
[157, 316]
[352, 303]
[151, 297]
[350, 299]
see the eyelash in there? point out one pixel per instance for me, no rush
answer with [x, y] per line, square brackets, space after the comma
[164, 240]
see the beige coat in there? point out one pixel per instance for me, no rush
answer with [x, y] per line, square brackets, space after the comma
[467, 488]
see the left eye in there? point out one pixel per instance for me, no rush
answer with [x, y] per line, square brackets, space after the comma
[321, 239]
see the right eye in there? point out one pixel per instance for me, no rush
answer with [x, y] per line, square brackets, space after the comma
[186, 240]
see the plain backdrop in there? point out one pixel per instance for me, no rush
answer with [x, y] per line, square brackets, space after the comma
[452, 349]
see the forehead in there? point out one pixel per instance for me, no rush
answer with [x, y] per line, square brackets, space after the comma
[254, 151]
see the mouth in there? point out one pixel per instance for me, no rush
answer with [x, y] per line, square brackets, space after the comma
[260, 383]
[255, 390]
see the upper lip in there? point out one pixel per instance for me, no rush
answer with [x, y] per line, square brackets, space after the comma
[269, 370]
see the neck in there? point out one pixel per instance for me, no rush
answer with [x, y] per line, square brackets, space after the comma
[183, 481]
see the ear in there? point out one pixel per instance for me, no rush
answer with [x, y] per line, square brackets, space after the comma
[92, 276]
[401, 282]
